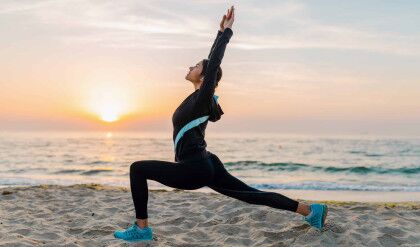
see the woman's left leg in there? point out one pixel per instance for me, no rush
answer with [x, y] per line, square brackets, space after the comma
[187, 176]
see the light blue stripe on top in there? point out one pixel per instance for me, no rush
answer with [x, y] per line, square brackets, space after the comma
[215, 97]
[191, 124]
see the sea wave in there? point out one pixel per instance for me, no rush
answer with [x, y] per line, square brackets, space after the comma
[84, 172]
[318, 185]
[248, 164]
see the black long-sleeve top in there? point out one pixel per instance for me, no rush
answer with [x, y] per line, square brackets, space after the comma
[200, 103]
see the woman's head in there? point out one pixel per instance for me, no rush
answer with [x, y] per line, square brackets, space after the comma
[196, 74]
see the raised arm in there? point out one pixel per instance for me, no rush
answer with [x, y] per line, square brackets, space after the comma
[219, 32]
[214, 43]
[209, 83]
[215, 59]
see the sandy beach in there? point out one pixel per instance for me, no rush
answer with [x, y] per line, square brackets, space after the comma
[87, 215]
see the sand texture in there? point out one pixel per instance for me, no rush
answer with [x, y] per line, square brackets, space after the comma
[87, 215]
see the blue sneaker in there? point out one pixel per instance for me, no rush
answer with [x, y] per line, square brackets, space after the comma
[317, 216]
[135, 234]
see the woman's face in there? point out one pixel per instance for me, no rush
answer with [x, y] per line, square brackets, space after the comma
[194, 74]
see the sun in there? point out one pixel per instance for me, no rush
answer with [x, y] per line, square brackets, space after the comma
[109, 102]
[109, 107]
[109, 117]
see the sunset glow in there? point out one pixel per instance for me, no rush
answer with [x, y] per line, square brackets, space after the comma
[290, 66]
[109, 117]
[109, 102]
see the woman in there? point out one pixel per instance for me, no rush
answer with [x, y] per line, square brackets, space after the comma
[194, 166]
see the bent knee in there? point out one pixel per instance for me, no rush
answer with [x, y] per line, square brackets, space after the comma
[137, 166]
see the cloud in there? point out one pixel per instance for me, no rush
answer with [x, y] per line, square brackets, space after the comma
[330, 37]
[291, 27]
[259, 25]
[10, 7]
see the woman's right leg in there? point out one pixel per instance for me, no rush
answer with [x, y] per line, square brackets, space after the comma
[188, 176]
[231, 186]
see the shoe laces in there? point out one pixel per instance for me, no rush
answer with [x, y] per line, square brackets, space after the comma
[314, 218]
[134, 232]
[311, 219]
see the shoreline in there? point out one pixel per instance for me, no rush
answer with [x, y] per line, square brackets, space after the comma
[306, 195]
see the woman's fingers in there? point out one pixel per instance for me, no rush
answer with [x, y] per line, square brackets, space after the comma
[230, 12]
[222, 22]
[223, 19]
[233, 13]
[229, 17]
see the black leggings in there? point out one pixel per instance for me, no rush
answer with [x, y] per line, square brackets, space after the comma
[194, 174]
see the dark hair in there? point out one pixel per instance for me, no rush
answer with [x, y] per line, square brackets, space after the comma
[219, 71]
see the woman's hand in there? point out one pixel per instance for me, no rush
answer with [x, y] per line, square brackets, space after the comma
[221, 23]
[229, 18]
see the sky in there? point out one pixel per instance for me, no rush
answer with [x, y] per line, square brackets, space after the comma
[348, 67]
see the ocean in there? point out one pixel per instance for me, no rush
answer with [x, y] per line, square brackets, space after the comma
[272, 162]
